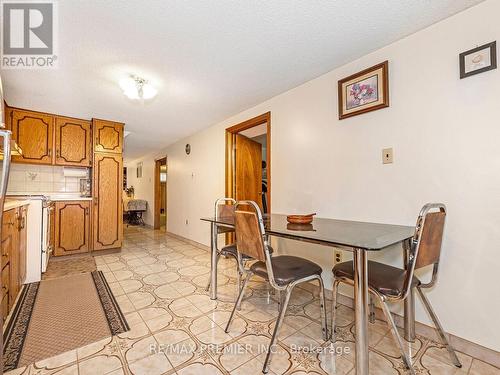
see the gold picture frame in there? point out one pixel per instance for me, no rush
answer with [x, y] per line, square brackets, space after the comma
[364, 91]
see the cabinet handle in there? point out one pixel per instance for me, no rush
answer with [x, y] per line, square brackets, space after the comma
[23, 225]
[86, 211]
[58, 153]
[96, 201]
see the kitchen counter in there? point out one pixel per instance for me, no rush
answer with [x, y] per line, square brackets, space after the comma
[14, 203]
[52, 196]
[57, 198]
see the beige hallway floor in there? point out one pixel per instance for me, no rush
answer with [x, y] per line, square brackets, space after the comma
[159, 282]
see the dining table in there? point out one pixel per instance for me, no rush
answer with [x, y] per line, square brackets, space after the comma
[358, 237]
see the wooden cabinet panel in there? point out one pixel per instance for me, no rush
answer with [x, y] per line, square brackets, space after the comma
[5, 305]
[14, 262]
[73, 142]
[9, 234]
[108, 136]
[107, 188]
[5, 291]
[22, 244]
[33, 132]
[72, 227]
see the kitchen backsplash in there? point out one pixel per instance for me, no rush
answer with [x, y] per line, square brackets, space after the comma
[28, 178]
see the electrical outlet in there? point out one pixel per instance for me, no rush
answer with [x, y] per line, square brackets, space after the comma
[387, 156]
[338, 256]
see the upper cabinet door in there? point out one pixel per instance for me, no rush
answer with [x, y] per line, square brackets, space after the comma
[33, 132]
[73, 142]
[108, 136]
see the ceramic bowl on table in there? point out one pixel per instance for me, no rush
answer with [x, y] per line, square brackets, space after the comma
[300, 219]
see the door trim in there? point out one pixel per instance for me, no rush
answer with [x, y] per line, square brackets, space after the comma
[265, 118]
[157, 194]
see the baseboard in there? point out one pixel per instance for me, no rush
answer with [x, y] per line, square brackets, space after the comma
[470, 348]
[191, 242]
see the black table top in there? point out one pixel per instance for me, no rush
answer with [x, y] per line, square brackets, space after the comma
[332, 232]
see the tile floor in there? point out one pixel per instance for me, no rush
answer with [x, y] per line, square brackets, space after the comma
[159, 282]
[69, 265]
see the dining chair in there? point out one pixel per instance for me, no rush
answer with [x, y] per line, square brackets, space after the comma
[283, 272]
[392, 284]
[224, 207]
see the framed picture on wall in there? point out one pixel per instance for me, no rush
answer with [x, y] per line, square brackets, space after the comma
[364, 91]
[478, 60]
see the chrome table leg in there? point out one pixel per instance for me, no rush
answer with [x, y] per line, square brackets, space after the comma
[409, 316]
[409, 303]
[361, 310]
[213, 263]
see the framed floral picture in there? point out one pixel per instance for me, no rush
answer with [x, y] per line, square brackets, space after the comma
[478, 60]
[365, 91]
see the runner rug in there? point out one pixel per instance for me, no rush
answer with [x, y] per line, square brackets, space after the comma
[57, 315]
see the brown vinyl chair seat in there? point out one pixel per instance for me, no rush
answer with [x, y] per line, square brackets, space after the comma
[386, 280]
[287, 269]
[230, 250]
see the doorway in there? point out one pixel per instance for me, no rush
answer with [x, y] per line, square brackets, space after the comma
[248, 161]
[160, 219]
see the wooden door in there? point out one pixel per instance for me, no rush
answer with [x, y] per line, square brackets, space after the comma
[33, 132]
[248, 170]
[22, 244]
[108, 208]
[108, 136]
[72, 227]
[73, 142]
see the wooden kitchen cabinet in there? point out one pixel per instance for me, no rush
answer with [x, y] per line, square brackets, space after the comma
[33, 132]
[13, 256]
[73, 142]
[108, 136]
[23, 238]
[107, 208]
[72, 227]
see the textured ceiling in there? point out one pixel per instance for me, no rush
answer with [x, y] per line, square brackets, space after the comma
[209, 59]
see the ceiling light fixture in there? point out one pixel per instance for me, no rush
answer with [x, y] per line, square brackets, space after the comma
[137, 88]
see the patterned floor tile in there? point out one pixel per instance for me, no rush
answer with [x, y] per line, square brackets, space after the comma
[159, 282]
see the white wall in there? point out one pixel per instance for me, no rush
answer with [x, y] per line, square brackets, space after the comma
[444, 132]
[144, 186]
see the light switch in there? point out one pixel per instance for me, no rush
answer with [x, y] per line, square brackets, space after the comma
[387, 156]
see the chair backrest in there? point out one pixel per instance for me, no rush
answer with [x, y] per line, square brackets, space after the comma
[224, 208]
[425, 246]
[249, 230]
[428, 238]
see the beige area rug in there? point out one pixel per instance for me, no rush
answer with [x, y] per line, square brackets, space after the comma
[54, 316]
[59, 267]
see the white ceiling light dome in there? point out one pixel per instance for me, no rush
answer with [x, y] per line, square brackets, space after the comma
[137, 88]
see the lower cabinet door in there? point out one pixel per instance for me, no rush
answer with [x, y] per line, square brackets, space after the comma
[72, 227]
[7, 300]
[23, 219]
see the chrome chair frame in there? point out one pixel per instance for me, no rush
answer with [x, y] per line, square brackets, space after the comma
[414, 251]
[219, 202]
[283, 300]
